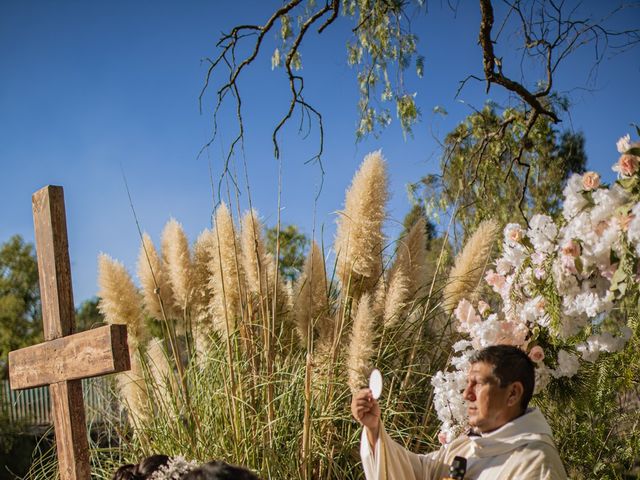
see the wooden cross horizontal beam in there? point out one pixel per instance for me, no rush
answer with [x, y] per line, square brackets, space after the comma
[88, 354]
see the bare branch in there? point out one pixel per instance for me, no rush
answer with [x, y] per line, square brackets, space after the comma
[493, 68]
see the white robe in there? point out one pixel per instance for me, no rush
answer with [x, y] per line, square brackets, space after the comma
[522, 449]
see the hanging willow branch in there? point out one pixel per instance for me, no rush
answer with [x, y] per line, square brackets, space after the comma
[383, 46]
[229, 44]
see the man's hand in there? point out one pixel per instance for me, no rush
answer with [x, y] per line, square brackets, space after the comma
[365, 409]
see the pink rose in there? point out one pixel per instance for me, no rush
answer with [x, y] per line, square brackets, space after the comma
[590, 181]
[442, 438]
[627, 165]
[466, 314]
[536, 354]
[495, 280]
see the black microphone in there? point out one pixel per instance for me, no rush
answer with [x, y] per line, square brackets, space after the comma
[458, 468]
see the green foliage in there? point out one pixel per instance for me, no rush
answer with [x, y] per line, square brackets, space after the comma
[293, 246]
[381, 49]
[20, 322]
[88, 316]
[595, 417]
[484, 177]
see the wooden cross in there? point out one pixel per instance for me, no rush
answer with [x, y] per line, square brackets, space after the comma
[64, 358]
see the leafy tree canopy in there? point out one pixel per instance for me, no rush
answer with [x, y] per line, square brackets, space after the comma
[88, 316]
[20, 317]
[502, 178]
[293, 245]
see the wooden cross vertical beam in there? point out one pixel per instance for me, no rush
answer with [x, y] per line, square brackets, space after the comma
[58, 317]
[64, 358]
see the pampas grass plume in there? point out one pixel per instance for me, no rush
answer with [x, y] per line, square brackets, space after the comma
[253, 253]
[361, 348]
[311, 299]
[407, 275]
[152, 275]
[225, 273]
[202, 254]
[120, 301]
[359, 239]
[177, 257]
[469, 266]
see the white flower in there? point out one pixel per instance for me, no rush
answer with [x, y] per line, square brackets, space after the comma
[603, 342]
[461, 345]
[448, 401]
[606, 201]
[568, 365]
[542, 233]
[513, 234]
[623, 144]
[574, 201]
[174, 470]
[503, 266]
[534, 311]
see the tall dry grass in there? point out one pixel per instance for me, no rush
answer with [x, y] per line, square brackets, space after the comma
[262, 374]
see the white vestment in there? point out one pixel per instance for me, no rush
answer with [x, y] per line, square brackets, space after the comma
[522, 449]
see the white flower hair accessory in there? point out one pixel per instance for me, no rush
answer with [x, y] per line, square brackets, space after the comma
[174, 470]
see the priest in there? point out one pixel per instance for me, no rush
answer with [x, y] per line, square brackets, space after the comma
[506, 439]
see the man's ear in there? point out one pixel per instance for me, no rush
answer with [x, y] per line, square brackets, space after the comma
[516, 390]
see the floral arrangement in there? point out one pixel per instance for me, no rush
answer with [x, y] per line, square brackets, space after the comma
[558, 282]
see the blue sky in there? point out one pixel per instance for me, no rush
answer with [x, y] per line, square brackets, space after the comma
[89, 90]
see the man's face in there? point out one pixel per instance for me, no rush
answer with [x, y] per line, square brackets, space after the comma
[488, 404]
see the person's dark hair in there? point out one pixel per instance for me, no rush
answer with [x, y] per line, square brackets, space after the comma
[510, 364]
[142, 470]
[219, 471]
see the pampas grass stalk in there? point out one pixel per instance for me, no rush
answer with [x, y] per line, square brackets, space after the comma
[397, 297]
[225, 272]
[225, 288]
[359, 238]
[156, 289]
[160, 370]
[361, 347]
[133, 389]
[177, 258]
[120, 301]
[469, 266]
[407, 276]
[202, 328]
[253, 253]
[311, 299]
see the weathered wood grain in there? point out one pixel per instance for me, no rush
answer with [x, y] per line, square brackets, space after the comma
[64, 358]
[54, 267]
[88, 354]
[72, 444]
